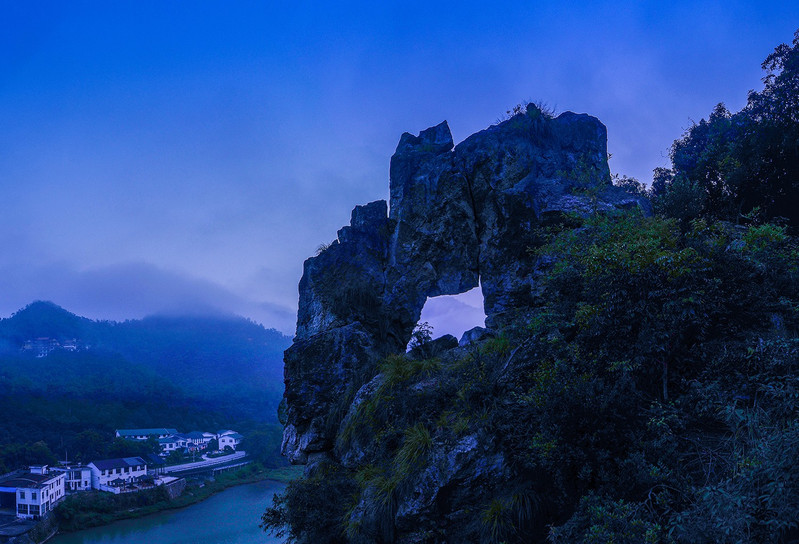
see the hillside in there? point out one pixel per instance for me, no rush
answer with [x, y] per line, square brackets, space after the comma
[183, 372]
[636, 381]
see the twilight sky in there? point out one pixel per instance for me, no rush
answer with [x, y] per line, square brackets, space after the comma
[188, 156]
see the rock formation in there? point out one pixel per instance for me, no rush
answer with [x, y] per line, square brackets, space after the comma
[459, 216]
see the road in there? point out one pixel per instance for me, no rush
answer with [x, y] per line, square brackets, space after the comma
[205, 463]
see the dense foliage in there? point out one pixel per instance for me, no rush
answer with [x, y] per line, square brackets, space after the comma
[649, 397]
[731, 166]
[187, 373]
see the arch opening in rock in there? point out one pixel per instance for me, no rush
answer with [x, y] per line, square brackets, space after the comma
[454, 314]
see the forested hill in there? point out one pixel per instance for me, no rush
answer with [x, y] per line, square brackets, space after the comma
[184, 372]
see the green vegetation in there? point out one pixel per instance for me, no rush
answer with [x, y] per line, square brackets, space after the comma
[187, 373]
[649, 398]
[647, 395]
[295, 512]
[742, 166]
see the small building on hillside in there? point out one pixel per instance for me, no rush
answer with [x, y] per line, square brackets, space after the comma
[144, 434]
[117, 472]
[41, 347]
[35, 493]
[230, 440]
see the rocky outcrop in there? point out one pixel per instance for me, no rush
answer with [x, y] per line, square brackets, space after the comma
[459, 216]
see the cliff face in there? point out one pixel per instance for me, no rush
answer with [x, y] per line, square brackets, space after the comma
[459, 216]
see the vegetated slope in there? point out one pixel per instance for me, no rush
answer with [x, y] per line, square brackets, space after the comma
[650, 396]
[646, 391]
[189, 373]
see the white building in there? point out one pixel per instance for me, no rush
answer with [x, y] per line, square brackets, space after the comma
[79, 478]
[230, 440]
[37, 492]
[197, 438]
[117, 472]
[172, 443]
[144, 434]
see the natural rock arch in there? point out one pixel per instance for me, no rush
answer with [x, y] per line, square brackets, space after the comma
[459, 217]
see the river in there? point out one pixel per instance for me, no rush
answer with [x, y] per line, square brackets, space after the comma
[229, 517]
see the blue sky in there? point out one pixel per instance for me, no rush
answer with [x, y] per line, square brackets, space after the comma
[188, 156]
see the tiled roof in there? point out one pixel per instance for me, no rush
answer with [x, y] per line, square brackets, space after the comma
[138, 432]
[122, 462]
[29, 481]
[153, 459]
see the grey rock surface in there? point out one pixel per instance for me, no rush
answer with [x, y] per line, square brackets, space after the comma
[458, 217]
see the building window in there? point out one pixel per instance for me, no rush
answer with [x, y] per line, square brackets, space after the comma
[21, 494]
[33, 496]
[34, 510]
[22, 509]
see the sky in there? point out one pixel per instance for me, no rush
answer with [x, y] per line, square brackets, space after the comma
[186, 157]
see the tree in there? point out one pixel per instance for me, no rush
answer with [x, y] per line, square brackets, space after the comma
[421, 335]
[89, 445]
[263, 446]
[122, 447]
[747, 160]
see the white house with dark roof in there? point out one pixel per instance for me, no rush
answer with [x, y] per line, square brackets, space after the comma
[144, 434]
[78, 477]
[172, 443]
[196, 438]
[36, 492]
[117, 472]
[230, 440]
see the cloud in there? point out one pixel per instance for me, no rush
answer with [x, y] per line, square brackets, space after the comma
[132, 290]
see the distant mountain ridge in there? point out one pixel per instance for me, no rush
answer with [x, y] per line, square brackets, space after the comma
[228, 362]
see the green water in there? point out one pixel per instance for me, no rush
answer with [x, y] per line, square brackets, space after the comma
[229, 517]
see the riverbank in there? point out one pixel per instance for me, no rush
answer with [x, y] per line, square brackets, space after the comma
[94, 508]
[231, 516]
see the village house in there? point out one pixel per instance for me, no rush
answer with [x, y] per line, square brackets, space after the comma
[117, 472]
[197, 438]
[35, 493]
[41, 347]
[172, 443]
[144, 434]
[78, 477]
[230, 440]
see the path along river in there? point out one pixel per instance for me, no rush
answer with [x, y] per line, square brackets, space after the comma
[229, 517]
